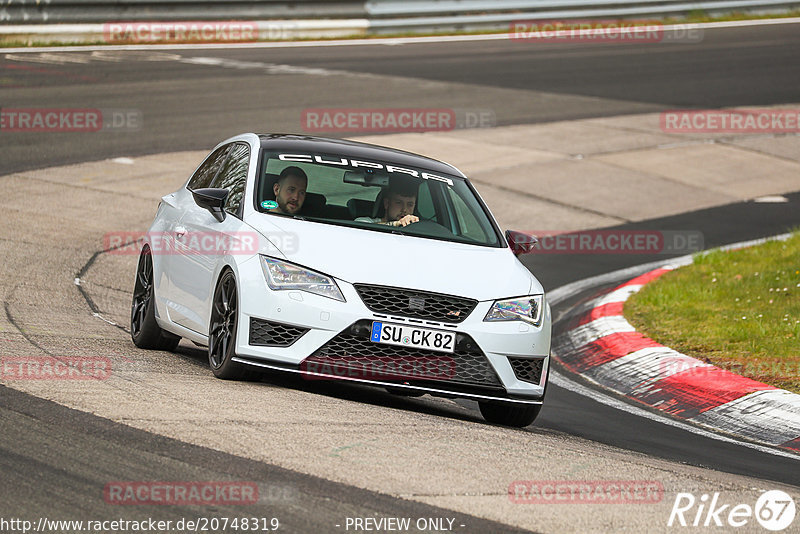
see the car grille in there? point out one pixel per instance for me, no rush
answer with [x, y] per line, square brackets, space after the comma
[272, 334]
[417, 304]
[527, 369]
[351, 353]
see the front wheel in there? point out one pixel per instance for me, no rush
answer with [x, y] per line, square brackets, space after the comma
[145, 332]
[222, 331]
[508, 414]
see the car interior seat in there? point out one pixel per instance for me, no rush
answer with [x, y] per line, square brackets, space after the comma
[360, 207]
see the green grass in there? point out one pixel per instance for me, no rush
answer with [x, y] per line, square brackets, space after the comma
[739, 310]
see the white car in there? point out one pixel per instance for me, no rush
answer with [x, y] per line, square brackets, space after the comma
[377, 266]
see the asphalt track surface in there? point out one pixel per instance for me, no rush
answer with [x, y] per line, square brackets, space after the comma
[63, 483]
[189, 105]
[192, 105]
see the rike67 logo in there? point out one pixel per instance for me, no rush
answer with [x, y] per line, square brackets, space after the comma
[774, 510]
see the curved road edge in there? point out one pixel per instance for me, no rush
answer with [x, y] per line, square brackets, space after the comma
[602, 347]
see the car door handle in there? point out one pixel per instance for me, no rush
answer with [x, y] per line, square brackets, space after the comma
[180, 231]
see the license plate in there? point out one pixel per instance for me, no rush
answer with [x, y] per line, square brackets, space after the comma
[412, 336]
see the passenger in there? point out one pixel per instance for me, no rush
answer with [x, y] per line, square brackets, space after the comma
[398, 205]
[290, 190]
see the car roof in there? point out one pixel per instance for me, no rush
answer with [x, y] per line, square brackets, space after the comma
[353, 149]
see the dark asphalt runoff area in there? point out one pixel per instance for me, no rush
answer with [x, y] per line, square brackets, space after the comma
[57, 459]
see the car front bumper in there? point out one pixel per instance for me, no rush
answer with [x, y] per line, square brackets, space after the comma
[508, 361]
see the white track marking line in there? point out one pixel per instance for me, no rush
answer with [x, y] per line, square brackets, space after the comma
[269, 68]
[118, 56]
[50, 58]
[109, 321]
[771, 199]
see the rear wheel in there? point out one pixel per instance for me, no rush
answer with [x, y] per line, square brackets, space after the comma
[222, 331]
[145, 332]
[508, 414]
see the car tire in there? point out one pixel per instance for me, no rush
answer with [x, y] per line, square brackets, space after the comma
[507, 414]
[145, 332]
[222, 330]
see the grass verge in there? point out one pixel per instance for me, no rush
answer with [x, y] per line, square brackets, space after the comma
[739, 310]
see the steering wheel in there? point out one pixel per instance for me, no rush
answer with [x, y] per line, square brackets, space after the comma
[426, 227]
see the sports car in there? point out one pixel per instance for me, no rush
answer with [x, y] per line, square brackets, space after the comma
[342, 260]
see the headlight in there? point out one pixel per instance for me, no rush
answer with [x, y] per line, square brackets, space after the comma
[528, 309]
[281, 275]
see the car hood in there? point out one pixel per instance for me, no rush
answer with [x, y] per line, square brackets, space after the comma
[371, 257]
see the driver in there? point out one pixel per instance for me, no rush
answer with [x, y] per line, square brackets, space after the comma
[398, 204]
[290, 190]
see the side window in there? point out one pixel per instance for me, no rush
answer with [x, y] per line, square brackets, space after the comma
[425, 202]
[233, 176]
[205, 174]
[323, 180]
[470, 226]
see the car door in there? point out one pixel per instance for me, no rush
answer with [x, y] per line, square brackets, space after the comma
[173, 242]
[205, 241]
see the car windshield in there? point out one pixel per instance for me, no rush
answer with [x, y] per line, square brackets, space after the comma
[373, 195]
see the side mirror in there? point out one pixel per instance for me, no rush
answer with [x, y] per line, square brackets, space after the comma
[213, 200]
[520, 243]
